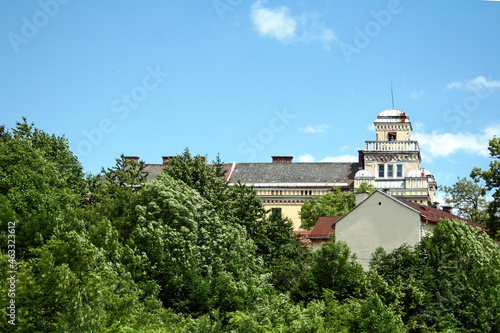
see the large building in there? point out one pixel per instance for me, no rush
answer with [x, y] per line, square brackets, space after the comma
[391, 163]
[284, 186]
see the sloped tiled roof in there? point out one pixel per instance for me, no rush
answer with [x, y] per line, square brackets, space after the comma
[432, 214]
[294, 172]
[324, 227]
[435, 215]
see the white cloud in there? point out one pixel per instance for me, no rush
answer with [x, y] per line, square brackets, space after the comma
[279, 23]
[371, 127]
[306, 158]
[275, 23]
[437, 144]
[416, 94]
[474, 84]
[314, 129]
[341, 158]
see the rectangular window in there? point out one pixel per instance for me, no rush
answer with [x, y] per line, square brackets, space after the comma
[381, 171]
[276, 212]
[400, 171]
[389, 171]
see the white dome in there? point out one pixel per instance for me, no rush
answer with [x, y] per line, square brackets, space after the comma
[393, 116]
[363, 174]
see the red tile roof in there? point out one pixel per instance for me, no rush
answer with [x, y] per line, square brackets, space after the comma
[434, 215]
[324, 227]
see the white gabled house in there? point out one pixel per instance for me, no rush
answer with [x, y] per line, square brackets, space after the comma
[380, 220]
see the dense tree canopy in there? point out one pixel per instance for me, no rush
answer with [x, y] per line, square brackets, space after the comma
[116, 252]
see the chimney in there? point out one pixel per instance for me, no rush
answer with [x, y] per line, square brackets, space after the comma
[166, 159]
[132, 158]
[282, 159]
[447, 208]
[361, 196]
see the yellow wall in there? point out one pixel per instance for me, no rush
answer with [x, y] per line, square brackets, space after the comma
[402, 131]
[289, 210]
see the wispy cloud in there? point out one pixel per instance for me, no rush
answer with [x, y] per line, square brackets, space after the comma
[314, 129]
[474, 84]
[416, 94]
[341, 158]
[434, 144]
[279, 23]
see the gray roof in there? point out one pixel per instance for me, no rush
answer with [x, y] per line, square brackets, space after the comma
[327, 172]
[153, 170]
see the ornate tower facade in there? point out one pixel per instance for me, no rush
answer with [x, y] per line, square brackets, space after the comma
[392, 162]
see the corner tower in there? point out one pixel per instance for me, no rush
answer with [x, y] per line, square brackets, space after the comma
[392, 162]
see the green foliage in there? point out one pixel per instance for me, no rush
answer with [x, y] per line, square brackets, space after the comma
[331, 204]
[492, 179]
[199, 261]
[279, 314]
[40, 182]
[197, 174]
[450, 281]
[364, 187]
[468, 198]
[333, 268]
[368, 314]
[184, 253]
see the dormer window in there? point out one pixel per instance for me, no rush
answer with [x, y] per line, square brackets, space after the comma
[392, 136]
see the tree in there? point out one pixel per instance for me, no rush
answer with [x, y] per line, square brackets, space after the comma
[468, 197]
[333, 268]
[449, 281]
[41, 185]
[4, 135]
[492, 179]
[179, 243]
[331, 204]
[197, 174]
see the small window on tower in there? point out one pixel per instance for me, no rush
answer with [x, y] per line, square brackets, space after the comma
[381, 171]
[389, 171]
[400, 171]
[392, 136]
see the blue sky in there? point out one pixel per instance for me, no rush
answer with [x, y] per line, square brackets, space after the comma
[251, 79]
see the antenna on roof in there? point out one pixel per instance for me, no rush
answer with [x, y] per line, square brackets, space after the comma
[392, 95]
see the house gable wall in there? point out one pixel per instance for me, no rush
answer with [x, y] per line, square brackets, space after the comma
[371, 225]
